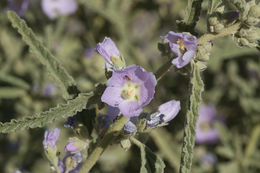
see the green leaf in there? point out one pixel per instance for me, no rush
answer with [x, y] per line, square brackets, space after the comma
[224, 135]
[213, 5]
[9, 92]
[60, 75]
[192, 13]
[47, 117]
[191, 120]
[151, 163]
[14, 80]
[167, 146]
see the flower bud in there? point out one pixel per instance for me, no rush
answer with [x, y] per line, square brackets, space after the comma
[218, 28]
[203, 51]
[254, 11]
[75, 145]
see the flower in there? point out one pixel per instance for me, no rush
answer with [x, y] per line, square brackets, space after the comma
[206, 133]
[54, 8]
[111, 54]
[50, 138]
[208, 159]
[71, 163]
[183, 45]
[71, 122]
[130, 126]
[71, 147]
[49, 90]
[106, 120]
[19, 6]
[108, 49]
[130, 89]
[166, 112]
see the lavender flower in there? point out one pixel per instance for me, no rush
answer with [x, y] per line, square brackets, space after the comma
[50, 138]
[208, 159]
[54, 8]
[108, 50]
[130, 126]
[71, 163]
[19, 6]
[183, 46]
[106, 120]
[88, 53]
[71, 147]
[71, 122]
[206, 133]
[166, 112]
[49, 90]
[130, 90]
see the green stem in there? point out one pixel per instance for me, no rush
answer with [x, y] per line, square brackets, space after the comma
[98, 150]
[163, 69]
[252, 144]
[227, 31]
[191, 120]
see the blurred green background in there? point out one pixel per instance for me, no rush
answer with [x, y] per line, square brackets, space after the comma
[231, 84]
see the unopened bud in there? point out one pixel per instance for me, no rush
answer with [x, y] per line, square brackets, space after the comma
[218, 28]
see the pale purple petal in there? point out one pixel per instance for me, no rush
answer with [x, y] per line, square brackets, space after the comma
[172, 37]
[108, 49]
[130, 108]
[50, 138]
[54, 8]
[71, 147]
[183, 45]
[205, 131]
[184, 60]
[136, 77]
[19, 6]
[169, 109]
[112, 96]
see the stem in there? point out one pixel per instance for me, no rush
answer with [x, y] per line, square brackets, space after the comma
[163, 69]
[98, 150]
[227, 31]
[252, 144]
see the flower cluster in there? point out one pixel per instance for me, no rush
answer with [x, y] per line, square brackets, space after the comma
[72, 161]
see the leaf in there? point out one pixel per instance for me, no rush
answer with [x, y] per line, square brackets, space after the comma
[169, 149]
[191, 120]
[47, 117]
[14, 80]
[60, 75]
[213, 5]
[151, 163]
[224, 135]
[192, 13]
[9, 92]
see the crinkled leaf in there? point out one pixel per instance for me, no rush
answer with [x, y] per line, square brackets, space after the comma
[151, 162]
[60, 75]
[47, 117]
[213, 5]
[192, 13]
[13, 80]
[191, 120]
[9, 92]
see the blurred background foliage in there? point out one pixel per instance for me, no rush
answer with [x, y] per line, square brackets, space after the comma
[231, 84]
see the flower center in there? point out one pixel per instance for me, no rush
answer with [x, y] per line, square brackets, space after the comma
[181, 45]
[205, 126]
[130, 91]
